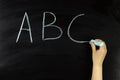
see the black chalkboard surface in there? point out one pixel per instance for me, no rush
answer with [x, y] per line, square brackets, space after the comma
[41, 39]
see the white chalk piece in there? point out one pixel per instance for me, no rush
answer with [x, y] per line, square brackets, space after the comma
[97, 43]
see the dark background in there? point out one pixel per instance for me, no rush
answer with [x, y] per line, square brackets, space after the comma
[60, 59]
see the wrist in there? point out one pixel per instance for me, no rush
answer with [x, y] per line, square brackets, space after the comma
[97, 65]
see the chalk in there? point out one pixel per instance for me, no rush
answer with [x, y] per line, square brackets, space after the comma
[26, 29]
[97, 43]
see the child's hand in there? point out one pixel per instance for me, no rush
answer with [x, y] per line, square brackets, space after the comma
[98, 55]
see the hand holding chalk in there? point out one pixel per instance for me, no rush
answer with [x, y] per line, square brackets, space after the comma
[97, 43]
[98, 55]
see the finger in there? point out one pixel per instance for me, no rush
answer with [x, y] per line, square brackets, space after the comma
[104, 45]
[93, 47]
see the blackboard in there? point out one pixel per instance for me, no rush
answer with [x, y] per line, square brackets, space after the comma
[40, 39]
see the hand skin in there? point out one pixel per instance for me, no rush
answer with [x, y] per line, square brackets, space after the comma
[98, 56]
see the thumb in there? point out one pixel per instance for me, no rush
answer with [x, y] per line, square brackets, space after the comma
[93, 47]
